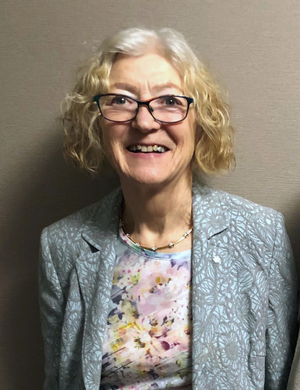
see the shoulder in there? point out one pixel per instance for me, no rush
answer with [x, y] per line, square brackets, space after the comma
[257, 232]
[233, 205]
[241, 217]
[238, 206]
[256, 220]
[67, 231]
[63, 242]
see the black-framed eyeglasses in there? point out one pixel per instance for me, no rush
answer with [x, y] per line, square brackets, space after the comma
[121, 108]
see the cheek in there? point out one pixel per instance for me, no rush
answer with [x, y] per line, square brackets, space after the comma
[108, 145]
[110, 148]
[108, 139]
[113, 147]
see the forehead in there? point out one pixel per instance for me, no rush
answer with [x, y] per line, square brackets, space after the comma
[149, 70]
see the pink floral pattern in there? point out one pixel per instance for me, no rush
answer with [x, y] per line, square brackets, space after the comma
[147, 340]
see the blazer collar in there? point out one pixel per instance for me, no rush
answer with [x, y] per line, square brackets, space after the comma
[104, 222]
[208, 215]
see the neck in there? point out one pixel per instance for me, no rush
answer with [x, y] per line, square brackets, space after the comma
[158, 216]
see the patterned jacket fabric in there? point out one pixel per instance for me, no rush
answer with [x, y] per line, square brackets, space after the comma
[244, 293]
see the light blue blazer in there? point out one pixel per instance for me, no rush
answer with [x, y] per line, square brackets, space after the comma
[243, 294]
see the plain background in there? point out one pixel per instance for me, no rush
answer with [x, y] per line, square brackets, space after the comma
[253, 46]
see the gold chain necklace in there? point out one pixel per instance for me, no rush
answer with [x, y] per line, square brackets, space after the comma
[154, 248]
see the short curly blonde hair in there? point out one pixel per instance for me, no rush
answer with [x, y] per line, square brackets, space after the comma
[214, 133]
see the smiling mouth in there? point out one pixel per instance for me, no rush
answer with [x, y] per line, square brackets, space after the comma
[147, 149]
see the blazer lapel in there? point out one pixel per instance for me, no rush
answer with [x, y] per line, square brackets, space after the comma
[210, 226]
[95, 268]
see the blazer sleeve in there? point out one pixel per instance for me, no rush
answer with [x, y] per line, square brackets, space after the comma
[282, 311]
[51, 309]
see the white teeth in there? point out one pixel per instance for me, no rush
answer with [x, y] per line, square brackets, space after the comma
[147, 149]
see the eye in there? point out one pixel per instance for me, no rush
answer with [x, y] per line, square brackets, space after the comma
[119, 100]
[170, 101]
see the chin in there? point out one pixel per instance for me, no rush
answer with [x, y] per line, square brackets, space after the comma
[146, 178]
[161, 177]
[151, 181]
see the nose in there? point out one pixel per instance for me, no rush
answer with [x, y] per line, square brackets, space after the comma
[144, 121]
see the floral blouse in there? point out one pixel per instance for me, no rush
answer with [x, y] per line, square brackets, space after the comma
[147, 343]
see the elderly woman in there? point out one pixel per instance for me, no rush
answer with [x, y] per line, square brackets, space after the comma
[165, 283]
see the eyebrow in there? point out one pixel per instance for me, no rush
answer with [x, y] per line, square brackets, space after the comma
[156, 88]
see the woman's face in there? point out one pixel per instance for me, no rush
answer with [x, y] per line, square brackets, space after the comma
[143, 78]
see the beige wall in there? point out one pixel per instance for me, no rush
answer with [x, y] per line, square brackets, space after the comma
[253, 45]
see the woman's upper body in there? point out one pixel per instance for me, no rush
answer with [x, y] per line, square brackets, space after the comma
[146, 105]
[243, 294]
